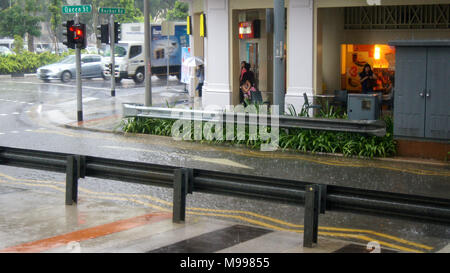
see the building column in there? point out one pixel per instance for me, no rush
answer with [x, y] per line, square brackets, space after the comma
[192, 45]
[217, 88]
[279, 40]
[300, 53]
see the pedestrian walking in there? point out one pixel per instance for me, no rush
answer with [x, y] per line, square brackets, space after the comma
[201, 78]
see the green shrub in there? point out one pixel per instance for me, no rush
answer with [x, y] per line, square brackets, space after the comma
[18, 44]
[348, 144]
[27, 62]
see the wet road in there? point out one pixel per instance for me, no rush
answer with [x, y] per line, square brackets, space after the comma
[26, 104]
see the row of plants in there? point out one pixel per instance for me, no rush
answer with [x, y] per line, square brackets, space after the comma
[348, 144]
[27, 62]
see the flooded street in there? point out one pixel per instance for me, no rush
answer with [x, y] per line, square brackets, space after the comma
[30, 111]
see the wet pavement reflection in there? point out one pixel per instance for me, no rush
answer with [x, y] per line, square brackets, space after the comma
[35, 102]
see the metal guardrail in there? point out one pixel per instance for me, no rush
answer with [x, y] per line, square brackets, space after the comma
[316, 198]
[372, 127]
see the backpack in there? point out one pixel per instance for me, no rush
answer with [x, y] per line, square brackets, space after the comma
[255, 96]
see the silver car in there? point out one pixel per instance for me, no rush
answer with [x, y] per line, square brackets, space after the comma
[65, 70]
[4, 51]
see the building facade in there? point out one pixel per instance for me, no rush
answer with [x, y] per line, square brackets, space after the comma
[327, 41]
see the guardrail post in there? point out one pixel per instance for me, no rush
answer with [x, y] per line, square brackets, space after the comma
[182, 185]
[312, 210]
[72, 175]
[81, 166]
[1, 158]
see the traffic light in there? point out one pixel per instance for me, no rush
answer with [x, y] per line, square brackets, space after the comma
[103, 34]
[68, 33]
[117, 32]
[80, 35]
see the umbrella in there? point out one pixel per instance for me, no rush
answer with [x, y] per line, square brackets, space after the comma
[193, 61]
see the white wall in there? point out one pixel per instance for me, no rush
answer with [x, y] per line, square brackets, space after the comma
[217, 88]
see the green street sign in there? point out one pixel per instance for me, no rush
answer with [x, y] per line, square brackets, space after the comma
[77, 9]
[111, 10]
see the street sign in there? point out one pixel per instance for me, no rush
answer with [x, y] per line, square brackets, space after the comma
[111, 10]
[77, 9]
[167, 28]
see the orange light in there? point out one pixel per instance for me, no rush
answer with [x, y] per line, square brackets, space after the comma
[377, 54]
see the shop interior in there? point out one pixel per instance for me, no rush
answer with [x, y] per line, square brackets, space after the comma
[252, 44]
[346, 38]
[381, 58]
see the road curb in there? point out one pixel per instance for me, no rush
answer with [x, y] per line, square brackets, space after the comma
[16, 77]
[80, 128]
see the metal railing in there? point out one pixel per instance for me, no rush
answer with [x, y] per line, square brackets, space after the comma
[372, 127]
[316, 198]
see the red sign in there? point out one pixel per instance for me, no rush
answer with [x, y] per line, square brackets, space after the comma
[249, 30]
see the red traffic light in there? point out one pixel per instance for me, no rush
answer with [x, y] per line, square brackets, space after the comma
[75, 35]
[78, 34]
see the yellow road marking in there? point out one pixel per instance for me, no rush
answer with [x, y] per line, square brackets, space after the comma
[344, 162]
[368, 239]
[393, 238]
[217, 213]
[219, 161]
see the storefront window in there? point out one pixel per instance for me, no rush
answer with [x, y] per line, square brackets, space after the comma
[381, 59]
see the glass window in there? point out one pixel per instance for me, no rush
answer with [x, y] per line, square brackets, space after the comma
[96, 59]
[120, 50]
[135, 51]
[87, 60]
[68, 60]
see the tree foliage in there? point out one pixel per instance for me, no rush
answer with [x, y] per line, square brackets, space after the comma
[18, 21]
[18, 44]
[55, 14]
[24, 16]
[179, 12]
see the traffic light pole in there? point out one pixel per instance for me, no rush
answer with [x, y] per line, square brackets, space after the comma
[147, 56]
[168, 60]
[78, 77]
[147, 46]
[113, 59]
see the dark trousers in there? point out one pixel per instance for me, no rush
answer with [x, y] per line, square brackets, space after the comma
[199, 88]
[241, 96]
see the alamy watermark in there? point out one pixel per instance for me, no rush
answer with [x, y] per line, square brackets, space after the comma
[254, 123]
[373, 2]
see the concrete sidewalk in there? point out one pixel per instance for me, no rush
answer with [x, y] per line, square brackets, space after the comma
[35, 220]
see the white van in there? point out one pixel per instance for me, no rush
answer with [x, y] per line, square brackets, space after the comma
[6, 42]
[129, 61]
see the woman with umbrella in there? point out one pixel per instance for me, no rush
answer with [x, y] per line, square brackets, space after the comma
[201, 78]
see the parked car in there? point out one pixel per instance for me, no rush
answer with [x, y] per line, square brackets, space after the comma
[4, 51]
[61, 49]
[92, 50]
[65, 70]
[7, 42]
[40, 48]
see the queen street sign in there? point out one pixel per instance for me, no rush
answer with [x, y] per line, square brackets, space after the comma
[76, 9]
